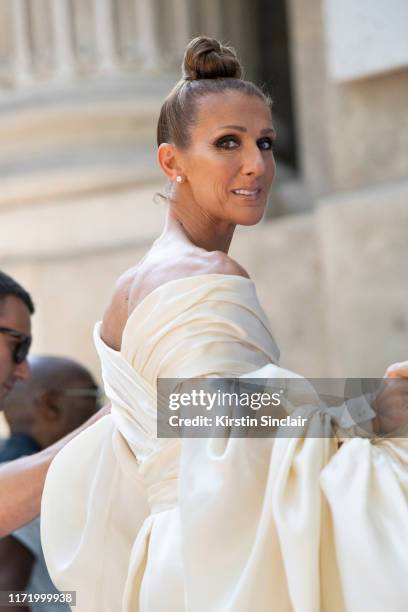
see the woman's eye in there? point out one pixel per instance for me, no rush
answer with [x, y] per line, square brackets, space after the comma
[227, 142]
[265, 144]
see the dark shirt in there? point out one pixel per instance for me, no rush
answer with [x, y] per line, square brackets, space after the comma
[16, 446]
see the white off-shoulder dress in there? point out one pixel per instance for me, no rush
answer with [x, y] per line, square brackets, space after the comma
[136, 523]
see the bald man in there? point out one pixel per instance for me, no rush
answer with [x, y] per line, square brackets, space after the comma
[58, 397]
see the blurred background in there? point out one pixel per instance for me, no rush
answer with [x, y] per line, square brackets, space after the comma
[81, 84]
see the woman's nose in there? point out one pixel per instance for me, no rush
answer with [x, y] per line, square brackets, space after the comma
[253, 162]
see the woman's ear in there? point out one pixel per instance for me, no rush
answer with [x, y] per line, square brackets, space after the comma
[168, 160]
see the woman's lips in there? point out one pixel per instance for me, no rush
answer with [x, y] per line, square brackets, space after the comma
[247, 194]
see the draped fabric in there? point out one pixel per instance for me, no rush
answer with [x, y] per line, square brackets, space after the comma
[136, 523]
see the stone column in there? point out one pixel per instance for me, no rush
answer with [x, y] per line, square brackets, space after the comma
[22, 51]
[212, 18]
[182, 31]
[62, 22]
[149, 50]
[105, 36]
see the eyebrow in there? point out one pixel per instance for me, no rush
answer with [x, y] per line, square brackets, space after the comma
[242, 129]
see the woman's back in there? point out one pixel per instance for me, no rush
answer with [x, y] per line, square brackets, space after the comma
[170, 258]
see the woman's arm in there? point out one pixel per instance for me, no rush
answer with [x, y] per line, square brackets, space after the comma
[22, 481]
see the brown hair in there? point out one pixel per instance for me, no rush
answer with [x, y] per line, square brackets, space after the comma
[208, 67]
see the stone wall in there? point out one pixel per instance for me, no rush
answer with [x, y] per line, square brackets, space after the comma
[71, 268]
[78, 179]
[352, 133]
[364, 253]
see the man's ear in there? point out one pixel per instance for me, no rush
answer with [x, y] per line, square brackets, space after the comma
[169, 160]
[49, 406]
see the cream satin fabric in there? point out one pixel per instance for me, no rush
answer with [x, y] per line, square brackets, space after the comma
[134, 523]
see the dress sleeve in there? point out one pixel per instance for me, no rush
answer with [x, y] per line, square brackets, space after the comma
[366, 488]
[295, 521]
[252, 509]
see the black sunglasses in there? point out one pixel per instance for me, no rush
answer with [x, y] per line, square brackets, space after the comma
[23, 345]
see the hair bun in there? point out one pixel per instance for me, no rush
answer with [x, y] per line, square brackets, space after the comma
[207, 58]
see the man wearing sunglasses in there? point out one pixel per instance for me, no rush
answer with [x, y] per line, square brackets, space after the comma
[16, 308]
[22, 480]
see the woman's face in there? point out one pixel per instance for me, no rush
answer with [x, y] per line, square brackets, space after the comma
[229, 166]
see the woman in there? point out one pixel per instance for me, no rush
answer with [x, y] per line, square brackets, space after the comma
[134, 522]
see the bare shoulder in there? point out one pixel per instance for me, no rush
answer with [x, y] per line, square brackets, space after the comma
[116, 313]
[156, 269]
[159, 270]
[224, 264]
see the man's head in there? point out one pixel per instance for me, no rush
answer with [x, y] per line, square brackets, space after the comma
[58, 397]
[16, 307]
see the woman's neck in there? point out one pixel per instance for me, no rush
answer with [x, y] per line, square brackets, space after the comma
[201, 230]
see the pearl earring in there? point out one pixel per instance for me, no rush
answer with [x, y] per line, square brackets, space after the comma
[179, 179]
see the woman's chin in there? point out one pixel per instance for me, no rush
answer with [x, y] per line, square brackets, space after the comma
[250, 217]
